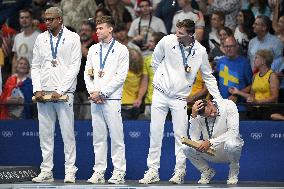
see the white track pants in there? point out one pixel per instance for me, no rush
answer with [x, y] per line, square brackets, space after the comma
[228, 152]
[161, 104]
[47, 116]
[106, 117]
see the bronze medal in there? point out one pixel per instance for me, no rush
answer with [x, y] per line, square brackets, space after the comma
[101, 73]
[54, 63]
[187, 69]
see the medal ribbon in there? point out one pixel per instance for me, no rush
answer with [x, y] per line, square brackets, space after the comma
[184, 59]
[54, 51]
[102, 63]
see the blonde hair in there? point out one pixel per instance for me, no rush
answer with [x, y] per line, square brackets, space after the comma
[55, 10]
[266, 55]
[135, 65]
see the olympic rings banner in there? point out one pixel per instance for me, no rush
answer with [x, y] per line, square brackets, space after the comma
[261, 160]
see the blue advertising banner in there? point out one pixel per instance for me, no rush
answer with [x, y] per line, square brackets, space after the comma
[261, 160]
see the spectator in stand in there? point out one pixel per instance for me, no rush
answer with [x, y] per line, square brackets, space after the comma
[278, 67]
[74, 12]
[146, 87]
[130, 109]
[217, 21]
[119, 12]
[142, 27]
[259, 7]
[9, 12]
[219, 50]
[120, 34]
[199, 90]
[229, 8]
[24, 41]
[188, 12]
[263, 39]
[278, 24]
[81, 94]
[244, 31]
[233, 70]
[18, 89]
[265, 86]
[166, 10]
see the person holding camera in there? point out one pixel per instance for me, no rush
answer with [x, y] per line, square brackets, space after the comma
[176, 61]
[218, 123]
[142, 27]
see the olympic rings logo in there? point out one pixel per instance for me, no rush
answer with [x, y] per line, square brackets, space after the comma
[134, 134]
[256, 136]
[7, 134]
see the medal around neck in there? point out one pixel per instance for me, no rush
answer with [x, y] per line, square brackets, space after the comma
[54, 62]
[101, 73]
[187, 69]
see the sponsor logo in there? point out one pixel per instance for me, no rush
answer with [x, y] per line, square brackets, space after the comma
[256, 136]
[7, 134]
[134, 134]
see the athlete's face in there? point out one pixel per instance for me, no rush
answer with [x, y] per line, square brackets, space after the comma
[104, 31]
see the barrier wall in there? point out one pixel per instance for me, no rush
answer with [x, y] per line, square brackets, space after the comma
[262, 158]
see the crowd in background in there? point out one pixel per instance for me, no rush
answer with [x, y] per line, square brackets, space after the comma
[244, 40]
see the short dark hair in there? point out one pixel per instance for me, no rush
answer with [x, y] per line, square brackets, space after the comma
[89, 23]
[220, 14]
[149, 2]
[266, 20]
[188, 24]
[105, 19]
[26, 10]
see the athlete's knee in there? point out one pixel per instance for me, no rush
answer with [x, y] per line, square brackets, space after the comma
[188, 151]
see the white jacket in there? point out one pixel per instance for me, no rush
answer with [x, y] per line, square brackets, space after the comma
[170, 76]
[225, 125]
[63, 77]
[115, 69]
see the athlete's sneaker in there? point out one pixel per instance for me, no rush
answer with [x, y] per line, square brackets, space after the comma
[44, 176]
[150, 176]
[233, 174]
[70, 177]
[178, 177]
[206, 176]
[97, 178]
[117, 177]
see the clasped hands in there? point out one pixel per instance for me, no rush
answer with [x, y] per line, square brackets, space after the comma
[39, 96]
[96, 97]
[203, 146]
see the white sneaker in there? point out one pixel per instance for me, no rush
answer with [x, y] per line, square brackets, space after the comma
[44, 177]
[178, 177]
[233, 174]
[150, 176]
[117, 177]
[97, 178]
[69, 177]
[206, 176]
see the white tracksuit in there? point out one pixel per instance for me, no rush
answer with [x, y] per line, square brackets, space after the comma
[108, 115]
[225, 136]
[171, 87]
[62, 79]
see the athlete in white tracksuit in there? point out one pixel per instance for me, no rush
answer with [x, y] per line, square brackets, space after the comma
[222, 131]
[59, 78]
[106, 115]
[172, 84]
